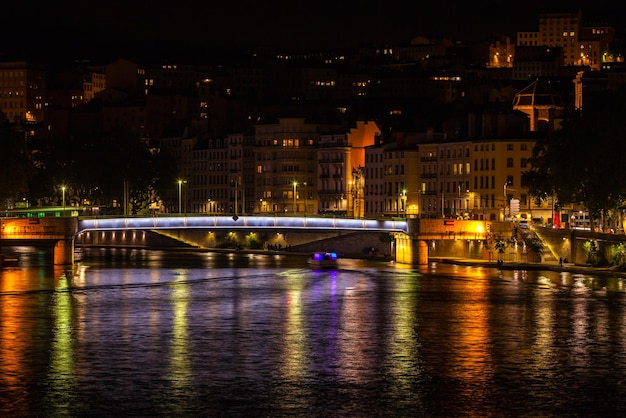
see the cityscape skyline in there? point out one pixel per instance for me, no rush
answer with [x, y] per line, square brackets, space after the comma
[197, 112]
[72, 29]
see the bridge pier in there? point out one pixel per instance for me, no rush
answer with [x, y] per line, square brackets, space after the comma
[64, 252]
[410, 250]
[60, 231]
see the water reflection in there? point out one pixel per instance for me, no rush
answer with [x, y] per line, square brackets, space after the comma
[237, 334]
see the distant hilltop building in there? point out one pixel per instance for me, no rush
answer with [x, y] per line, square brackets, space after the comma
[582, 44]
[543, 105]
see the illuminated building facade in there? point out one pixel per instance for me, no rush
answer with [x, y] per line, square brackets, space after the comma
[23, 91]
[285, 166]
[582, 44]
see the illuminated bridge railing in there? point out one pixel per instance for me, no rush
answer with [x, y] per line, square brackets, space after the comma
[243, 222]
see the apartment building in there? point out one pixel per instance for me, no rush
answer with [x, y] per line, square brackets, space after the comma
[496, 177]
[582, 44]
[23, 91]
[374, 184]
[430, 205]
[285, 166]
[340, 166]
[334, 172]
[454, 171]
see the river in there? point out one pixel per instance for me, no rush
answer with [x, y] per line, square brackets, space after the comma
[149, 333]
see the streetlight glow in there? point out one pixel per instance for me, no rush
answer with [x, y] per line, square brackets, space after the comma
[295, 184]
[180, 197]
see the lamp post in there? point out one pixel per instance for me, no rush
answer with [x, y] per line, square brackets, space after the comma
[306, 192]
[180, 197]
[504, 204]
[351, 185]
[295, 207]
[63, 198]
[403, 197]
[235, 216]
[398, 205]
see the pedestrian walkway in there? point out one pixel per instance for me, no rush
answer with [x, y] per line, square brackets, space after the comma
[546, 265]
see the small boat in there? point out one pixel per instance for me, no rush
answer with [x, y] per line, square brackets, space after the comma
[8, 261]
[323, 259]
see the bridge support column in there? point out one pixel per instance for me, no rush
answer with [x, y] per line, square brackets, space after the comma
[421, 251]
[411, 251]
[404, 249]
[64, 252]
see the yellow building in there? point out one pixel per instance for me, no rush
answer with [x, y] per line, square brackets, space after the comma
[497, 167]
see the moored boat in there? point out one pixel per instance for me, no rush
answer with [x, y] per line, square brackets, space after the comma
[326, 259]
[8, 261]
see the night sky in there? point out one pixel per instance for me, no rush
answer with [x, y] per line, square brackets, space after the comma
[69, 27]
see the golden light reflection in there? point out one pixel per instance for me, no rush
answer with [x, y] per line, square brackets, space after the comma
[294, 356]
[402, 339]
[355, 359]
[543, 318]
[12, 349]
[470, 327]
[180, 363]
[61, 373]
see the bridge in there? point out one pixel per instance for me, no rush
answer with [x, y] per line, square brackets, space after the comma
[242, 222]
[411, 235]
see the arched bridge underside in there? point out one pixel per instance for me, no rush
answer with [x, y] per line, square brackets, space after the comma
[242, 222]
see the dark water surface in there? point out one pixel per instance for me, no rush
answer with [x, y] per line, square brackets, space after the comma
[202, 334]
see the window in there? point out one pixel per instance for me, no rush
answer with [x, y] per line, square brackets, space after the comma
[509, 162]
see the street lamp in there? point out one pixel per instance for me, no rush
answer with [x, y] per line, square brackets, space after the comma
[403, 197]
[235, 216]
[180, 197]
[504, 204]
[63, 199]
[295, 207]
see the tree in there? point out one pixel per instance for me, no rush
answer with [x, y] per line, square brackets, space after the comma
[15, 165]
[582, 162]
[593, 250]
[104, 169]
[534, 244]
[500, 246]
[125, 168]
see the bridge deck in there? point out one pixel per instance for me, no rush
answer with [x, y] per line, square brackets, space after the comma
[242, 222]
